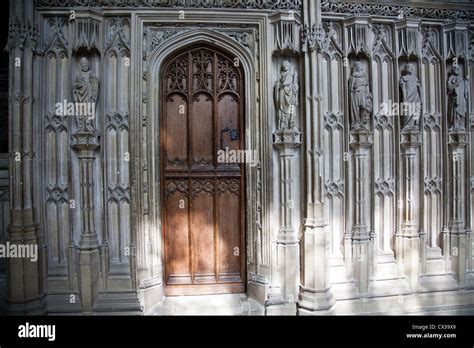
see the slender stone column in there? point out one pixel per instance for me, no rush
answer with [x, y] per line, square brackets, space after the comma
[458, 181]
[408, 239]
[315, 296]
[287, 245]
[360, 144]
[86, 143]
[24, 276]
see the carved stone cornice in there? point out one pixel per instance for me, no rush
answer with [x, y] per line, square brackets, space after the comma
[339, 7]
[242, 4]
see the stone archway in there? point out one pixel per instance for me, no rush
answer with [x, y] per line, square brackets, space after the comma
[153, 276]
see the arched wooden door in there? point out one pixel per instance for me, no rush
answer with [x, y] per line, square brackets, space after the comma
[203, 199]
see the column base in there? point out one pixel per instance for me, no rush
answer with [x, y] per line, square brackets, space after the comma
[315, 302]
[32, 307]
[118, 303]
[281, 309]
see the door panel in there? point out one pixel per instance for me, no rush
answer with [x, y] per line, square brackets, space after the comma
[203, 212]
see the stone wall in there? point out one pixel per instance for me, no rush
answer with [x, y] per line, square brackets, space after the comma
[354, 206]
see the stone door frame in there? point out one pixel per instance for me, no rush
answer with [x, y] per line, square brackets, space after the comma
[156, 36]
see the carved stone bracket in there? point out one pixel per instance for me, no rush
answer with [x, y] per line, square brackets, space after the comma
[457, 42]
[87, 30]
[286, 139]
[286, 34]
[409, 38]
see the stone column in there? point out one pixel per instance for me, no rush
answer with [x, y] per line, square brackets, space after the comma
[457, 184]
[86, 144]
[359, 239]
[24, 276]
[287, 245]
[408, 238]
[315, 296]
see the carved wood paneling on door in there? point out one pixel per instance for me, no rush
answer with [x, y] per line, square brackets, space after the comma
[203, 200]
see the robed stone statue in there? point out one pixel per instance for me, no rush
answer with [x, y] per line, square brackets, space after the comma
[411, 98]
[457, 99]
[85, 91]
[360, 98]
[286, 96]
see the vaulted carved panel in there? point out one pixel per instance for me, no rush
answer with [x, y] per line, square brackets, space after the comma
[56, 129]
[117, 147]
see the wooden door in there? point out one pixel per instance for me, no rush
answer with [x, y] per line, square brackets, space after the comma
[203, 212]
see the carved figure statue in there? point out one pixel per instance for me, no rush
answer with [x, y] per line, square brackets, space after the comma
[85, 92]
[360, 98]
[457, 99]
[411, 98]
[286, 96]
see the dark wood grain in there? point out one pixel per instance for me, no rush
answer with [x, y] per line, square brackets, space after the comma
[203, 211]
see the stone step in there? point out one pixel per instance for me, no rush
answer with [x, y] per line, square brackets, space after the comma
[337, 274]
[386, 270]
[435, 266]
[437, 282]
[388, 287]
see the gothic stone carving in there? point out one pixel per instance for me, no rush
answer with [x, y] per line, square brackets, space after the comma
[360, 98]
[57, 42]
[119, 40]
[329, 6]
[85, 90]
[411, 95]
[322, 37]
[22, 35]
[264, 5]
[86, 34]
[457, 99]
[286, 96]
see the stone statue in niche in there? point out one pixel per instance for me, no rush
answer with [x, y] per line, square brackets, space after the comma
[85, 92]
[286, 96]
[360, 98]
[457, 99]
[410, 89]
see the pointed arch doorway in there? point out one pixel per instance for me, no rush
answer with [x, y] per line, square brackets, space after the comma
[203, 197]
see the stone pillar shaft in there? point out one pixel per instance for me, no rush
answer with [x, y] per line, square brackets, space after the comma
[22, 296]
[315, 296]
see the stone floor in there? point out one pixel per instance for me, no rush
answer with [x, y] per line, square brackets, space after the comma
[229, 304]
[239, 304]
